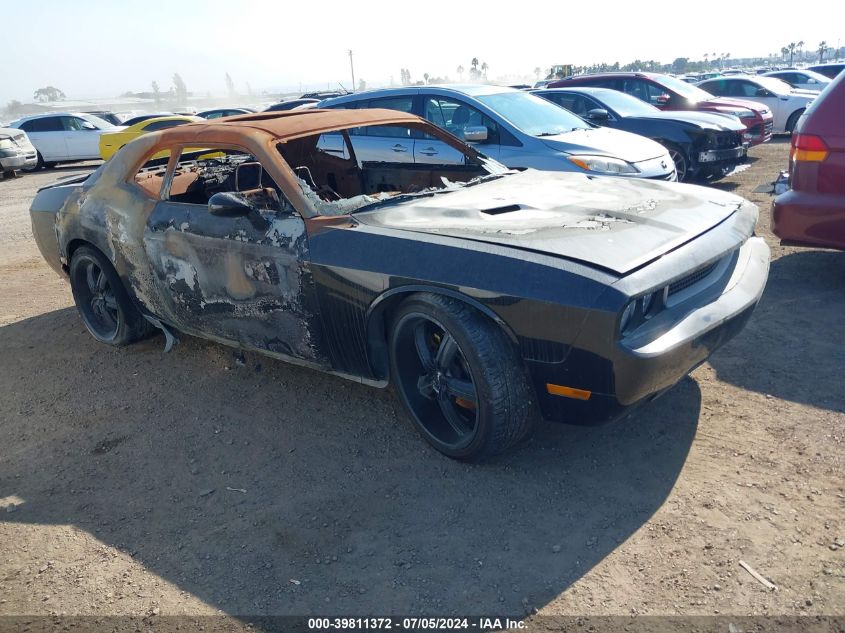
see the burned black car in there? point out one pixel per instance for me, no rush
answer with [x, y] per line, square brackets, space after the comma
[488, 298]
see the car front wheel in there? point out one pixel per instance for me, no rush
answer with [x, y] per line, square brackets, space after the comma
[459, 378]
[102, 301]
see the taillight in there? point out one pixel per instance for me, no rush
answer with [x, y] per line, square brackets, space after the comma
[808, 148]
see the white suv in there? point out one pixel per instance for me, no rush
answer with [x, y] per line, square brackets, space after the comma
[64, 136]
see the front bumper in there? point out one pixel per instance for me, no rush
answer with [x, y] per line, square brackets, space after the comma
[658, 355]
[759, 131]
[715, 156]
[801, 218]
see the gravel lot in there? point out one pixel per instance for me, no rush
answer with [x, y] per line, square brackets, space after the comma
[138, 482]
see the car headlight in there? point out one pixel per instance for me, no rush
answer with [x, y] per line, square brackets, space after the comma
[603, 164]
[6, 143]
[747, 114]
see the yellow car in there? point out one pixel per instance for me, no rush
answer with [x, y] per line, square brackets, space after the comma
[110, 142]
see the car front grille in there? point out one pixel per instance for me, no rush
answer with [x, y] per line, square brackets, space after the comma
[770, 125]
[690, 280]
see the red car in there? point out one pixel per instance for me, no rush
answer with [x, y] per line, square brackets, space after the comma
[669, 93]
[812, 212]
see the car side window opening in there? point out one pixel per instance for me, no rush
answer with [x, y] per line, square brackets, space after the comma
[402, 104]
[201, 173]
[150, 177]
[44, 124]
[338, 184]
[455, 117]
[73, 124]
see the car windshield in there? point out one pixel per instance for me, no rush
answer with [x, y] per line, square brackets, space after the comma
[625, 104]
[533, 115]
[778, 86]
[687, 91]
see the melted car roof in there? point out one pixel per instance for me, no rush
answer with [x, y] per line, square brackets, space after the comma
[292, 124]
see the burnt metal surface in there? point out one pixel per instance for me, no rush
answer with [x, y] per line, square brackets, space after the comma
[552, 259]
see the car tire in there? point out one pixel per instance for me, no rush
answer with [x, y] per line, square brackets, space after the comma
[102, 301]
[459, 378]
[38, 164]
[792, 121]
[681, 160]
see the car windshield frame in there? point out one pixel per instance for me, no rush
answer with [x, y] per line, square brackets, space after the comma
[531, 114]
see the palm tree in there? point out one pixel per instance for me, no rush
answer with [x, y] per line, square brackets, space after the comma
[706, 58]
[474, 62]
[425, 77]
[791, 46]
[484, 68]
[461, 72]
[822, 50]
[800, 50]
[784, 51]
[537, 72]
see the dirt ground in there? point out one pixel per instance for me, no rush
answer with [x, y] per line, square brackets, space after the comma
[138, 482]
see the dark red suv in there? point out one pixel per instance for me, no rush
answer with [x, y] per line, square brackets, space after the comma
[669, 93]
[812, 212]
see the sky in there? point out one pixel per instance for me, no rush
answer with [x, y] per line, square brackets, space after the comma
[99, 48]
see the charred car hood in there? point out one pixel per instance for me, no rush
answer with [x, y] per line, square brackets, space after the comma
[614, 223]
[605, 142]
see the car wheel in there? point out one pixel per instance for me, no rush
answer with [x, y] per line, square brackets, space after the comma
[793, 120]
[102, 301]
[681, 162]
[38, 164]
[459, 377]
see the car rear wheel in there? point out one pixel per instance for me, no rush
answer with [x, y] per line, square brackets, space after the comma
[793, 120]
[102, 301]
[459, 378]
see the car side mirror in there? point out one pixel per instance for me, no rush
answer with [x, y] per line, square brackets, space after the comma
[228, 205]
[475, 133]
[597, 115]
[762, 92]
[88, 126]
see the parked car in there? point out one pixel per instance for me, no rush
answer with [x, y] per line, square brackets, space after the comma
[829, 70]
[516, 128]
[325, 94]
[64, 136]
[669, 93]
[16, 151]
[146, 117]
[110, 142]
[292, 104]
[812, 211]
[486, 297]
[785, 102]
[702, 145]
[801, 79]
[221, 112]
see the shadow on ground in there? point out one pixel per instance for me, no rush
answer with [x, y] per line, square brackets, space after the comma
[792, 347]
[148, 452]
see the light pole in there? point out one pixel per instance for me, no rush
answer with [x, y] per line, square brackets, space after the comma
[352, 68]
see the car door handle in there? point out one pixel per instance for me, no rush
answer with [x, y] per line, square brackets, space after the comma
[428, 151]
[399, 148]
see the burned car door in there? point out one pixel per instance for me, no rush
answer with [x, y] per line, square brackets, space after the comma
[227, 251]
